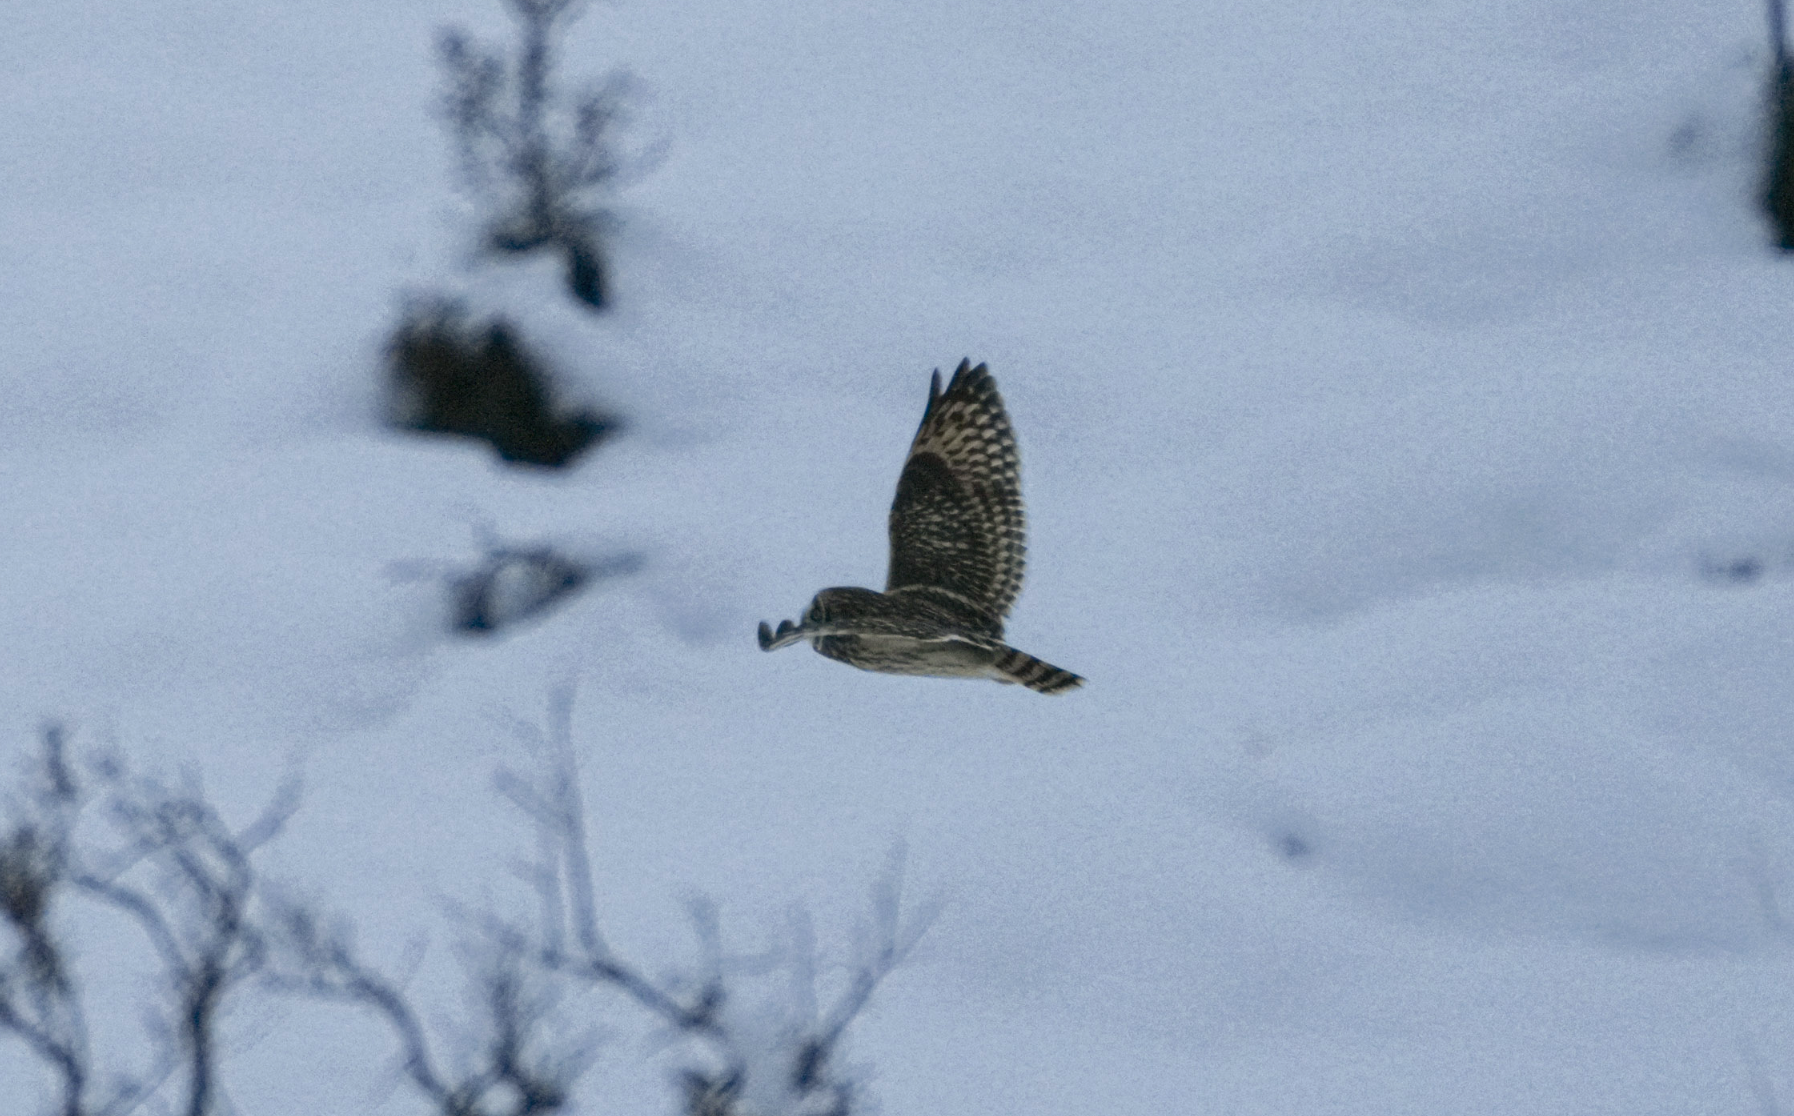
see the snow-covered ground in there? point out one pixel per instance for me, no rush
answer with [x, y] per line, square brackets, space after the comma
[1405, 406]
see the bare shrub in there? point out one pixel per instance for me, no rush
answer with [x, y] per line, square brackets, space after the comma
[757, 1033]
[537, 157]
[775, 1053]
[519, 1067]
[167, 863]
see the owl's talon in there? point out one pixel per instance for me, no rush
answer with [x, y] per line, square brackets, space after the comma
[765, 634]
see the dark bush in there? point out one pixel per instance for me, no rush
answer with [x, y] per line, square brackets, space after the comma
[449, 375]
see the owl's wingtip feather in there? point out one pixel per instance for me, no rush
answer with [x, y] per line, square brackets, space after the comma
[966, 371]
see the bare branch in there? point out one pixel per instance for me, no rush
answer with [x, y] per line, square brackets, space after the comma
[63, 1056]
[39, 1002]
[195, 917]
[274, 816]
[63, 788]
[739, 1070]
[146, 914]
[326, 967]
[571, 814]
[886, 944]
[513, 1077]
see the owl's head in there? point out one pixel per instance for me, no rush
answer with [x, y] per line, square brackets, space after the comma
[831, 612]
[831, 609]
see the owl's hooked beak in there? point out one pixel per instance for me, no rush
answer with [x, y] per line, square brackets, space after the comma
[787, 635]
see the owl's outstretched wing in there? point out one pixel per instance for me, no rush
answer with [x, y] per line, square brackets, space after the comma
[957, 522]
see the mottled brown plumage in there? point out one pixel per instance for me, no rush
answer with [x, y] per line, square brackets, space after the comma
[958, 550]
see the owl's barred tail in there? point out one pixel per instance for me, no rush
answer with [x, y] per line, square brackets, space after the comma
[1045, 678]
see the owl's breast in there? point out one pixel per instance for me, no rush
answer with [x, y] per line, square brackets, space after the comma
[898, 654]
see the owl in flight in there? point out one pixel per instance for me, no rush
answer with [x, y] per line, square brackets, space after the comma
[957, 552]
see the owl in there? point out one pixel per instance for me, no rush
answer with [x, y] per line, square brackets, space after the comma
[957, 553]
